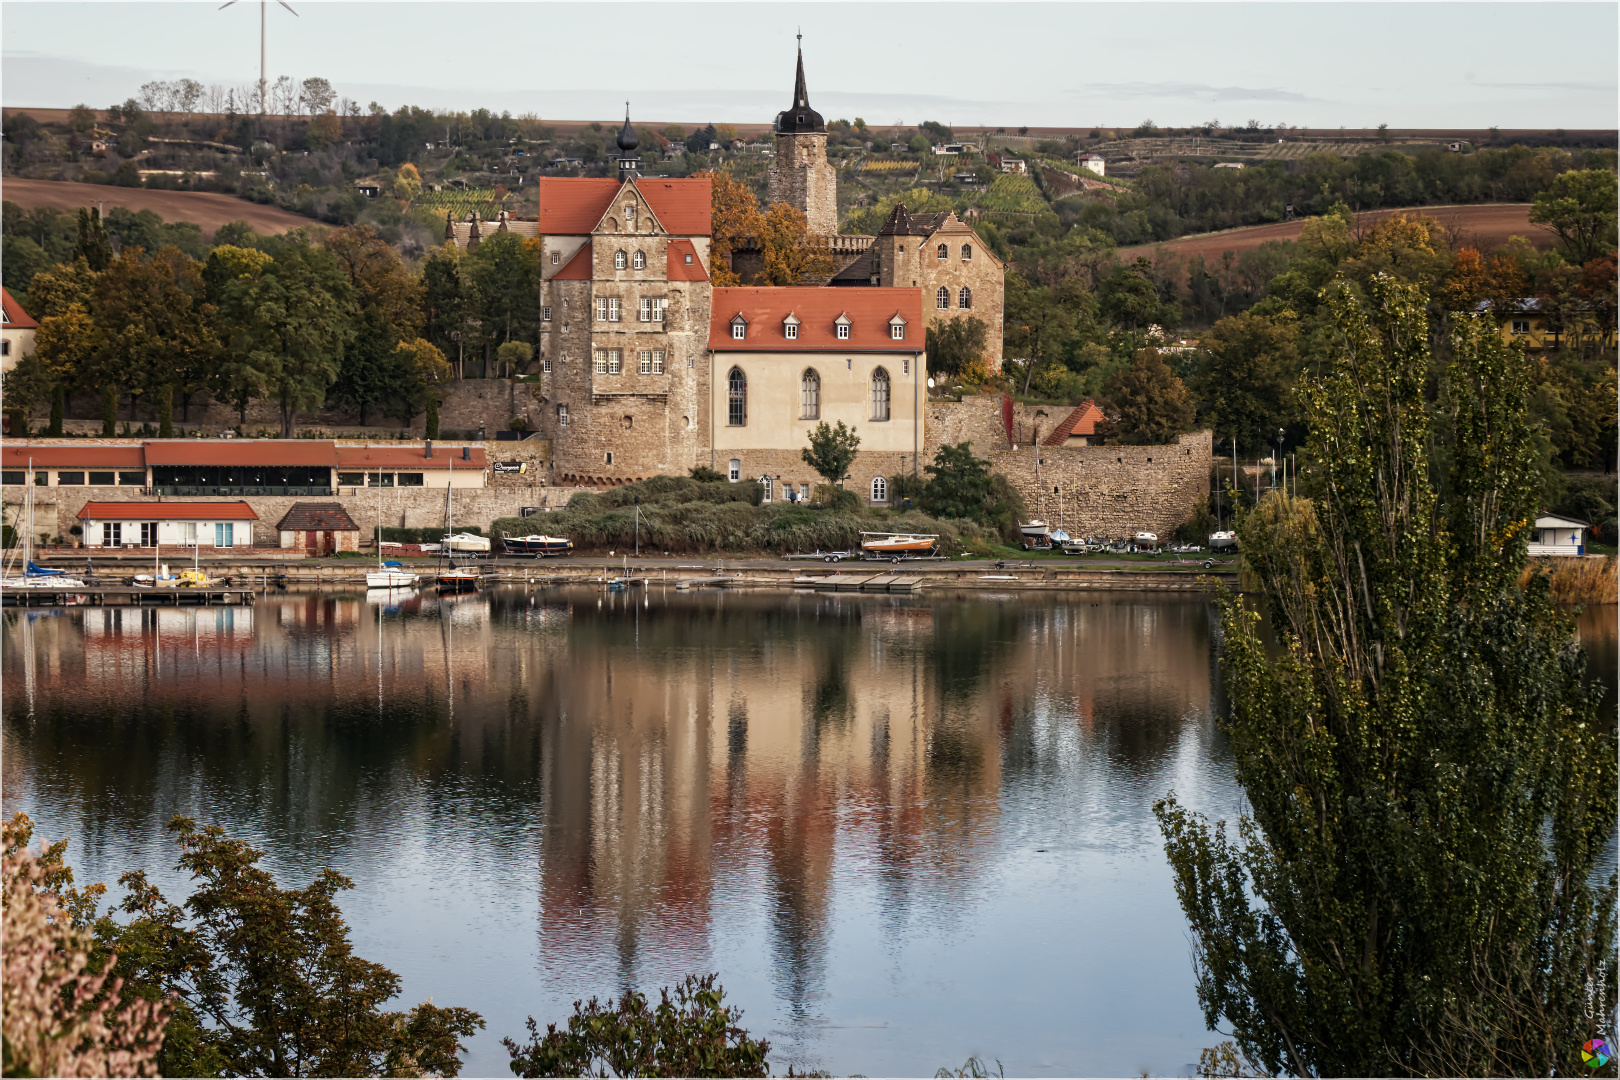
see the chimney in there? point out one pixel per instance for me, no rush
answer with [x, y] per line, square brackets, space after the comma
[429, 451]
[466, 453]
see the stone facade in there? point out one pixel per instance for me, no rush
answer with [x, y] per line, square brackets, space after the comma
[802, 177]
[958, 275]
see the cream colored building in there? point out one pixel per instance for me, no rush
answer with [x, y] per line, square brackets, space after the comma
[16, 332]
[785, 360]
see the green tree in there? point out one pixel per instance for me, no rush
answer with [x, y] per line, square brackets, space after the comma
[1244, 380]
[290, 328]
[372, 367]
[512, 356]
[378, 276]
[59, 288]
[1579, 208]
[1039, 327]
[832, 451]
[961, 485]
[81, 118]
[1129, 300]
[956, 348]
[94, 247]
[503, 276]
[155, 335]
[1431, 789]
[446, 303]
[1146, 403]
[264, 980]
[691, 1032]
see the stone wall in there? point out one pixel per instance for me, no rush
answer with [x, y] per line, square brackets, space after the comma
[801, 177]
[787, 467]
[1110, 491]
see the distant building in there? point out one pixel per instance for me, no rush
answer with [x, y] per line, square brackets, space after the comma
[318, 528]
[1094, 162]
[1079, 428]
[1014, 165]
[16, 332]
[947, 149]
[1555, 535]
[1533, 322]
[1229, 165]
[369, 188]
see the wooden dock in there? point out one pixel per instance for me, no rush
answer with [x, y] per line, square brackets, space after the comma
[109, 595]
[869, 583]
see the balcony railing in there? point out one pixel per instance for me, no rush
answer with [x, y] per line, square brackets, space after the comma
[240, 490]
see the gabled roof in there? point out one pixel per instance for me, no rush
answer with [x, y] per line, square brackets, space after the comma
[17, 455]
[1553, 521]
[410, 456]
[167, 510]
[577, 268]
[249, 453]
[817, 309]
[317, 517]
[1083, 421]
[572, 206]
[15, 317]
[679, 268]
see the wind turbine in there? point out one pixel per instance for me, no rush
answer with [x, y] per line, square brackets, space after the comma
[264, 53]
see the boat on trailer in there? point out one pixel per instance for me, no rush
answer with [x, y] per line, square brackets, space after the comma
[895, 545]
[538, 546]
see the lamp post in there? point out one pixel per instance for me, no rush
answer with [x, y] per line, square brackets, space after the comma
[1277, 458]
[638, 526]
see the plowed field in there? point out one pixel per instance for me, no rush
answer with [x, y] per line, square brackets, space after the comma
[205, 209]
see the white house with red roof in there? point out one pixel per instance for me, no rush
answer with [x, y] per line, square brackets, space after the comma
[16, 332]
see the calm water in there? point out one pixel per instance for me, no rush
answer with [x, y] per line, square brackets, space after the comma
[904, 830]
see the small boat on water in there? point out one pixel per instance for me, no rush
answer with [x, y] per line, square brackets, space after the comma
[457, 579]
[538, 546]
[898, 543]
[1222, 541]
[390, 576]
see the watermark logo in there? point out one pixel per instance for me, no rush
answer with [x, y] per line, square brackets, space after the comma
[1596, 1053]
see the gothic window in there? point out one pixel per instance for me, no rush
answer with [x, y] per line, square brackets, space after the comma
[967, 252]
[639, 261]
[964, 298]
[619, 261]
[736, 398]
[944, 252]
[630, 216]
[810, 395]
[739, 329]
[880, 394]
[880, 490]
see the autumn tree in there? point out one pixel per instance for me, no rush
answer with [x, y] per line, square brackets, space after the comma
[1146, 402]
[407, 184]
[1244, 382]
[1473, 279]
[1039, 327]
[1431, 792]
[736, 219]
[378, 276]
[55, 290]
[155, 334]
[791, 256]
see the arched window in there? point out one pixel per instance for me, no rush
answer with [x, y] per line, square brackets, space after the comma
[967, 252]
[964, 299]
[810, 395]
[880, 489]
[942, 298]
[736, 398]
[619, 262]
[639, 261]
[944, 252]
[880, 394]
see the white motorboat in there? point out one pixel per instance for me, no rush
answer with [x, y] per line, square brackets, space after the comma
[1033, 529]
[1222, 541]
[467, 543]
[390, 579]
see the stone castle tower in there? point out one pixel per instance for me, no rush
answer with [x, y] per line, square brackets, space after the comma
[800, 174]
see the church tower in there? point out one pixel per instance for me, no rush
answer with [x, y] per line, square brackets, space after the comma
[800, 175]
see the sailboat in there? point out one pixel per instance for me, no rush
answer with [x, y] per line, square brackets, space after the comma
[454, 578]
[388, 575]
[33, 576]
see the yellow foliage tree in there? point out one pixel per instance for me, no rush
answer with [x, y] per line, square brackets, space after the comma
[408, 184]
[428, 361]
[735, 219]
[792, 256]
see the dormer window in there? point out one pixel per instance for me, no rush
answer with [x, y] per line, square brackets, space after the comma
[790, 328]
[689, 258]
[639, 261]
[841, 325]
[897, 329]
[739, 329]
[620, 261]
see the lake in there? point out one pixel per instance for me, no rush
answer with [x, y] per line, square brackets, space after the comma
[903, 830]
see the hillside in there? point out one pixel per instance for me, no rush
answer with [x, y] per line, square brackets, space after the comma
[205, 209]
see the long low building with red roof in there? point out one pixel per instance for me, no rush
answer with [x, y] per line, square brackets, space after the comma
[149, 524]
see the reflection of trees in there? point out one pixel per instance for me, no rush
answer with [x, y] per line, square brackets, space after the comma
[968, 642]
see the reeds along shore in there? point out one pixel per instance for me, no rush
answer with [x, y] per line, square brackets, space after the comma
[1577, 580]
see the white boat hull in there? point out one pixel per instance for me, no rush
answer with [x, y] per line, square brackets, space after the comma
[390, 579]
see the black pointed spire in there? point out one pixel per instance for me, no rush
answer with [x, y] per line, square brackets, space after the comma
[800, 118]
[629, 163]
[627, 136]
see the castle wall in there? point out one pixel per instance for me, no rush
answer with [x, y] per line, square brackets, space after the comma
[801, 176]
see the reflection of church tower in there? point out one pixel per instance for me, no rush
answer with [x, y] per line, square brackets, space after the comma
[800, 175]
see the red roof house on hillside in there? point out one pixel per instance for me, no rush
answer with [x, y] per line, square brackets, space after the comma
[1079, 428]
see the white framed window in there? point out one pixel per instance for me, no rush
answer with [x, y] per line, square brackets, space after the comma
[739, 329]
[736, 398]
[967, 252]
[791, 331]
[644, 310]
[638, 261]
[615, 359]
[620, 260]
[613, 309]
[1521, 326]
[658, 362]
[556, 257]
[545, 314]
[658, 309]
[644, 361]
[769, 487]
[880, 394]
[942, 298]
[188, 533]
[964, 298]
[630, 215]
[601, 309]
[880, 490]
[897, 329]
[810, 395]
[562, 416]
[804, 491]
[734, 470]
[545, 364]
[842, 325]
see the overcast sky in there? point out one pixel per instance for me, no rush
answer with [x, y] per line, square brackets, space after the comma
[1067, 64]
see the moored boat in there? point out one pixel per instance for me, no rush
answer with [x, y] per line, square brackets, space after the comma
[457, 579]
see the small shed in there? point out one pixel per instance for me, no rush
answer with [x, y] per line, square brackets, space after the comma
[1555, 535]
[319, 528]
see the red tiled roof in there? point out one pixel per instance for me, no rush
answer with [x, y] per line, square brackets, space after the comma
[577, 268]
[92, 456]
[445, 456]
[682, 270]
[869, 311]
[18, 319]
[1083, 421]
[248, 452]
[167, 511]
[572, 206]
[317, 517]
